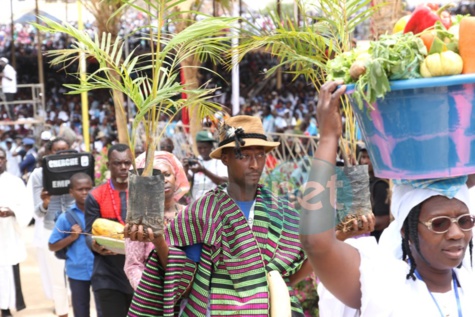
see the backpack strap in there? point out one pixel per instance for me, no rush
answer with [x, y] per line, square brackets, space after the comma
[73, 218]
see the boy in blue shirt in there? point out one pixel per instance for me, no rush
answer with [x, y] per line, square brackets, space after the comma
[80, 260]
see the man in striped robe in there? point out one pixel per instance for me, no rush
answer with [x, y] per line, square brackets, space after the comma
[213, 258]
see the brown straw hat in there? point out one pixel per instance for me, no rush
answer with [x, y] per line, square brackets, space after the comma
[241, 132]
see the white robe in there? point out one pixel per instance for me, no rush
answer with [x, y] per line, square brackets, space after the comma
[13, 195]
[51, 268]
[12, 247]
[387, 293]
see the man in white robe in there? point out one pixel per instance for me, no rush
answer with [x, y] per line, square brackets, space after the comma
[15, 215]
[13, 162]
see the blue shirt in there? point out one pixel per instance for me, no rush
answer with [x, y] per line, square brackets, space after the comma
[312, 128]
[80, 260]
[28, 163]
[193, 252]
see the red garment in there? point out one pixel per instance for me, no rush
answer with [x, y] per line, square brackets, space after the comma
[108, 272]
[109, 209]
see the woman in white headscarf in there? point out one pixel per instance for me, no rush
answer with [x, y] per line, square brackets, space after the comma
[417, 270]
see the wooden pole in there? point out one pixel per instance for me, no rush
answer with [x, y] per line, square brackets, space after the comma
[41, 76]
[235, 70]
[84, 101]
[12, 45]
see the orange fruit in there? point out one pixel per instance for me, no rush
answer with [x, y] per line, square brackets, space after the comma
[428, 39]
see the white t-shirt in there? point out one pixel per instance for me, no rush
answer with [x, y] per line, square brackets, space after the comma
[9, 86]
[202, 183]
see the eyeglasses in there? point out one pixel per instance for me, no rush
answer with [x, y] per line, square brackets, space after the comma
[246, 157]
[442, 224]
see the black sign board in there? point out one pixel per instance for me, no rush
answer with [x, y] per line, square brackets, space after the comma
[58, 169]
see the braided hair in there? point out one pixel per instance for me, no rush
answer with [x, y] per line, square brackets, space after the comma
[470, 249]
[411, 234]
[410, 229]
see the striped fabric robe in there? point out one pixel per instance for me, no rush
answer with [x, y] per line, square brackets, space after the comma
[230, 278]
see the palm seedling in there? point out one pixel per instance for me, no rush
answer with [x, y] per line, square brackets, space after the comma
[150, 79]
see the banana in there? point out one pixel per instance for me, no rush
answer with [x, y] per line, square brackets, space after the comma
[279, 295]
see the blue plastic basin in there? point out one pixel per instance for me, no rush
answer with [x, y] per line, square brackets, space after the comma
[423, 128]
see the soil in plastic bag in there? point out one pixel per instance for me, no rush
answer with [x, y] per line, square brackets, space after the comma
[146, 201]
[353, 195]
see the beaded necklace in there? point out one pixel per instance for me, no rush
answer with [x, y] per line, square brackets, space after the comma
[114, 203]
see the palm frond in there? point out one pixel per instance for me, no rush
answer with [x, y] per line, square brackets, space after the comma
[151, 80]
[304, 49]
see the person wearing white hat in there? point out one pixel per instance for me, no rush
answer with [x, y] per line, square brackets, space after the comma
[45, 137]
[13, 164]
[419, 268]
[9, 85]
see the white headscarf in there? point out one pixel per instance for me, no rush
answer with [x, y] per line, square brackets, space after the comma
[404, 198]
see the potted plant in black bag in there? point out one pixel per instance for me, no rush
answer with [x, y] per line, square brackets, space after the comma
[151, 80]
[303, 48]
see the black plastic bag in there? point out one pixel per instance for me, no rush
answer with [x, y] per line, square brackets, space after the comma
[353, 195]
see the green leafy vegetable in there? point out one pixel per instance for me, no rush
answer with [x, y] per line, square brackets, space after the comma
[393, 57]
[338, 68]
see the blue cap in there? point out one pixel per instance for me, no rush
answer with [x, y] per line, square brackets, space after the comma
[28, 141]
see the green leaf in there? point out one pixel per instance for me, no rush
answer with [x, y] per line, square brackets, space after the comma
[437, 46]
[150, 80]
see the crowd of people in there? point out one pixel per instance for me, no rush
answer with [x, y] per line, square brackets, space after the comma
[225, 238]
[189, 183]
[221, 244]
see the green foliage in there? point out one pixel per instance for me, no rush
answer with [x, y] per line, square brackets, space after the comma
[395, 56]
[305, 48]
[151, 80]
[339, 67]
[286, 8]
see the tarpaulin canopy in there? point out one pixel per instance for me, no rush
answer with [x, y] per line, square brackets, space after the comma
[31, 17]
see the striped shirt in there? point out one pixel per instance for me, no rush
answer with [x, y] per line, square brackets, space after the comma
[230, 278]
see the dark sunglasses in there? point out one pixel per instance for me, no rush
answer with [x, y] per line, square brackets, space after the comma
[442, 224]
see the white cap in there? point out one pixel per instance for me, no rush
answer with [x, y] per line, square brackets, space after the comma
[46, 135]
[4, 59]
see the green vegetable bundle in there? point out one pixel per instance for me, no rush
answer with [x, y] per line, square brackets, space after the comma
[392, 57]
